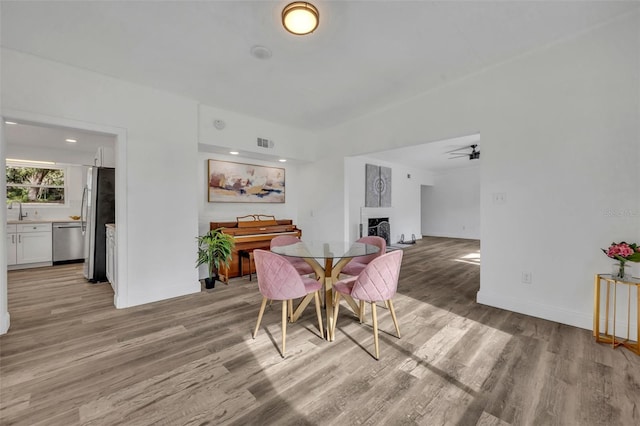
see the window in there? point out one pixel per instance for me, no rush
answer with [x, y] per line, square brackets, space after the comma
[30, 183]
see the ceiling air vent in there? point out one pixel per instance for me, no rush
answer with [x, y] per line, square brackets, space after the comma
[265, 143]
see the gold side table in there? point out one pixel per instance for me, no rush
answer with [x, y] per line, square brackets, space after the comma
[611, 291]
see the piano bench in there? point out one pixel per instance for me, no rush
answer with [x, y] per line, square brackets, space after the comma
[245, 254]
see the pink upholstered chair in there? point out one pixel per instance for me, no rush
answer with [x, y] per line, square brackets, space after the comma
[377, 282]
[357, 264]
[301, 266]
[279, 280]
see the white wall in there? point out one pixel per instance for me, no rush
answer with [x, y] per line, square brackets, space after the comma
[560, 136]
[404, 215]
[321, 211]
[4, 309]
[241, 132]
[220, 212]
[451, 206]
[156, 214]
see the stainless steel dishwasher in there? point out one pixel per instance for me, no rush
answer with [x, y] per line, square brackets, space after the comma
[68, 242]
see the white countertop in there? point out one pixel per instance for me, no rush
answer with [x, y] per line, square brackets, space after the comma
[28, 221]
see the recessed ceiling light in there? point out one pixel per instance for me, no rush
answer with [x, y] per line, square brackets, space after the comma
[283, 160]
[234, 152]
[71, 140]
[10, 122]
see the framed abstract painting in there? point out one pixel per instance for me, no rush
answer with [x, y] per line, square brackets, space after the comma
[231, 182]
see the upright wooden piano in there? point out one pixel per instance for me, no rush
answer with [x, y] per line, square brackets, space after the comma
[254, 231]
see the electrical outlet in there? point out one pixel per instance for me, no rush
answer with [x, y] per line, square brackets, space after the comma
[499, 197]
[527, 277]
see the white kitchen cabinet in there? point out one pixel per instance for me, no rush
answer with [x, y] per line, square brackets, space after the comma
[111, 266]
[33, 245]
[12, 243]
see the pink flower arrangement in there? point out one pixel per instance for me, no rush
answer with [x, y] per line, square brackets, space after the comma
[623, 252]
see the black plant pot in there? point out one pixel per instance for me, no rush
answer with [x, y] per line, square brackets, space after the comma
[209, 283]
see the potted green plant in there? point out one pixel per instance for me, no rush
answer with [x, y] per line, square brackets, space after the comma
[214, 249]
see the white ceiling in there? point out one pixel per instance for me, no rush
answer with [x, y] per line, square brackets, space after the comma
[434, 156]
[364, 55]
[50, 137]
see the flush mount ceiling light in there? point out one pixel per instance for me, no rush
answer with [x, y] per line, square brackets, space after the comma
[300, 18]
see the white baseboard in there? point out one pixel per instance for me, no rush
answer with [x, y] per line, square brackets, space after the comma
[551, 313]
[5, 321]
[534, 309]
[167, 293]
[451, 235]
[28, 265]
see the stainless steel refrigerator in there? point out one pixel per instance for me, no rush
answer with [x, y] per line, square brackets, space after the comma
[98, 209]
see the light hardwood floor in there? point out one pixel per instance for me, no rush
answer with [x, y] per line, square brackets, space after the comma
[71, 358]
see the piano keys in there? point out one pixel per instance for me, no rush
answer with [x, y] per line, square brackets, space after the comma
[252, 232]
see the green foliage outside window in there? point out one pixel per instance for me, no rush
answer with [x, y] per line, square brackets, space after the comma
[35, 185]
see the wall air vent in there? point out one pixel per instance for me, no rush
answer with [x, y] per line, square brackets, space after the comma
[265, 143]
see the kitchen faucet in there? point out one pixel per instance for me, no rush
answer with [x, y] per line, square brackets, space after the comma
[20, 215]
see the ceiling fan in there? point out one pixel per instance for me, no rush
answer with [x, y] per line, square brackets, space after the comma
[459, 152]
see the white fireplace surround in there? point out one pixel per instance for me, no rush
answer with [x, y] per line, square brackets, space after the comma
[367, 213]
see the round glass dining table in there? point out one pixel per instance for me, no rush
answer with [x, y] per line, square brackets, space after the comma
[312, 251]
